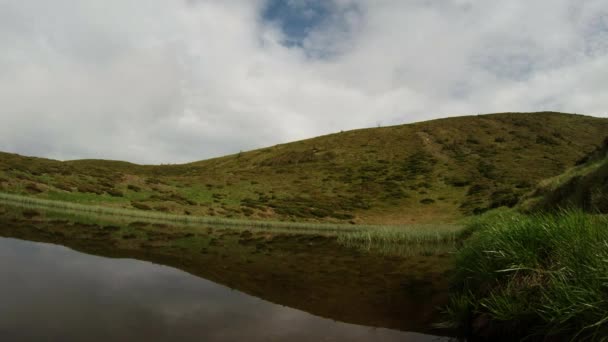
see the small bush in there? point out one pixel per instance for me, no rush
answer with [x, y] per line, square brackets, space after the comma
[546, 140]
[134, 188]
[33, 188]
[114, 193]
[457, 181]
[140, 206]
[247, 211]
[503, 198]
[477, 188]
[64, 187]
[87, 188]
[154, 181]
[487, 169]
[29, 213]
[420, 163]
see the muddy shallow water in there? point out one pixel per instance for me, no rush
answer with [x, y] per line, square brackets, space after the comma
[50, 292]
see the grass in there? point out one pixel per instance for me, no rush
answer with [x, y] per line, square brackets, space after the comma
[578, 171]
[411, 240]
[534, 276]
[584, 187]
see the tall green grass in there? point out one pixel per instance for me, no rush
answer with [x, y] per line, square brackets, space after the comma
[411, 240]
[539, 275]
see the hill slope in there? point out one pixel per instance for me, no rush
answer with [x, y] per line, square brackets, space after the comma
[429, 171]
[584, 186]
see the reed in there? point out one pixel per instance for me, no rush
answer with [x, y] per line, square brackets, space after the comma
[406, 240]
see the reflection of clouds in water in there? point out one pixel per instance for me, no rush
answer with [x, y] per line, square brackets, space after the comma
[54, 292]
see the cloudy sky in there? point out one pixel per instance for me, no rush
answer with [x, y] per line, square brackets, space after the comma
[166, 81]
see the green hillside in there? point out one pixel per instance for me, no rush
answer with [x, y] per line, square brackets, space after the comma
[584, 186]
[430, 171]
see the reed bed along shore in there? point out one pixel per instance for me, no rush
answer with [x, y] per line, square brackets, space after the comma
[419, 239]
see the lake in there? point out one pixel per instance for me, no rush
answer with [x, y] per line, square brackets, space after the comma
[53, 293]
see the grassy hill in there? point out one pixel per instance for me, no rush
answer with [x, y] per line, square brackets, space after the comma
[584, 187]
[430, 171]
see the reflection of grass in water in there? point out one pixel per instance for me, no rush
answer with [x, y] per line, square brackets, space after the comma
[298, 270]
[80, 217]
[409, 240]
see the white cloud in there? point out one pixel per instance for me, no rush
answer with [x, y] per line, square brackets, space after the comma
[174, 81]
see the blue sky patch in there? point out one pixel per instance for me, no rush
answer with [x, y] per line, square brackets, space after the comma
[297, 18]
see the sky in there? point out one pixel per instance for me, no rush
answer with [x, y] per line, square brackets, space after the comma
[172, 81]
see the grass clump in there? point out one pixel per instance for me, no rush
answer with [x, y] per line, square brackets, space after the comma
[534, 276]
[422, 239]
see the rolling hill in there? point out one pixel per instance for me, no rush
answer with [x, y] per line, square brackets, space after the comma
[429, 171]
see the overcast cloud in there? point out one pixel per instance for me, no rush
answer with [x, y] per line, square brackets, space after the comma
[159, 81]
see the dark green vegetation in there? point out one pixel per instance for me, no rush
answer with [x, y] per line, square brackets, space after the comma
[412, 240]
[584, 187]
[435, 171]
[542, 276]
[307, 271]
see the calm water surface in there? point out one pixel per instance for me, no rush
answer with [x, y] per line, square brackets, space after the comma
[52, 293]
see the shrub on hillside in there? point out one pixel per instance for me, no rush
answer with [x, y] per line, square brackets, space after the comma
[457, 181]
[503, 198]
[541, 139]
[419, 164]
[88, 188]
[133, 188]
[64, 187]
[114, 193]
[140, 206]
[33, 188]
